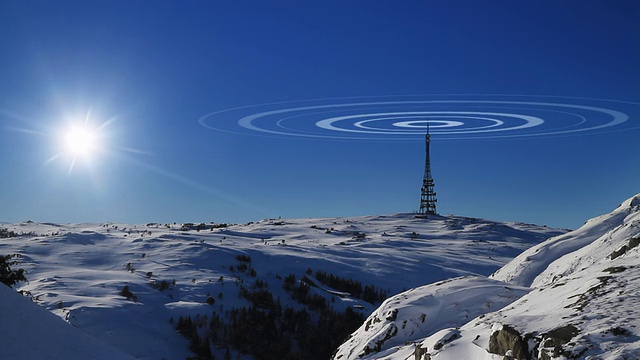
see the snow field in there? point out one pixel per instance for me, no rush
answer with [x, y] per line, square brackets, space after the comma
[77, 271]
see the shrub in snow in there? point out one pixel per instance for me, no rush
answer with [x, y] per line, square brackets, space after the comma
[244, 258]
[8, 276]
[5, 233]
[163, 285]
[128, 294]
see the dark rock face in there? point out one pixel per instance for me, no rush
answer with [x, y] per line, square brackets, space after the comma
[391, 332]
[446, 340]
[633, 242]
[419, 352]
[553, 340]
[507, 339]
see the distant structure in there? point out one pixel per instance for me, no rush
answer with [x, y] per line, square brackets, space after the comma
[428, 195]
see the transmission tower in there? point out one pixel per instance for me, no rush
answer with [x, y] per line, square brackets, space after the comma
[428, 196]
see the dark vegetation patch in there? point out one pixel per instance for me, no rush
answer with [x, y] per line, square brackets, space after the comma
[163, 285]
[10, 276]
[244, 265]
[6, 233]
[126, 292]
[243, 258]
[368, 293]
[266, 329]
[202, 226]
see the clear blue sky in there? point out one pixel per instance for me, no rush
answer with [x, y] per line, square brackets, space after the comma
[145, 72]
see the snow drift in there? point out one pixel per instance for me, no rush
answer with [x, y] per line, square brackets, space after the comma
[31, 332]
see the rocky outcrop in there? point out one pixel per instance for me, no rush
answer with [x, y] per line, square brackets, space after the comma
[390, 333]
[551, 342]
[508, 340]
[413, 315]
[633, 242]
[431, 345]
[421, 353]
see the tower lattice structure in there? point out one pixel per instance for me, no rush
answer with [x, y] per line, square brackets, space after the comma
[428, 195]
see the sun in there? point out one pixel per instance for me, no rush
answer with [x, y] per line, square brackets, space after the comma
[81, 141]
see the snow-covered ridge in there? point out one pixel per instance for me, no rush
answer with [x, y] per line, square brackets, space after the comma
[582, 303]
[527, 268]
[78, 271]
[424, 310]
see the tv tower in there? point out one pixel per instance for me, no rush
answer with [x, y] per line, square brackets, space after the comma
[428, 196]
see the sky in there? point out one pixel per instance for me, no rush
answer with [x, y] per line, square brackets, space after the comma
[236, 111]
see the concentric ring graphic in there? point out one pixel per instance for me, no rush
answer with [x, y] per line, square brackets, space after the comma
[447, 117]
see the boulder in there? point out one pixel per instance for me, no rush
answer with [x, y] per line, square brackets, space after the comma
[507, 339]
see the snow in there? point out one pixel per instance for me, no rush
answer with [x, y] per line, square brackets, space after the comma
[585, 280]
[481, 277]
[414, 314]
[527, 266]
[31, 332]
[77, 271]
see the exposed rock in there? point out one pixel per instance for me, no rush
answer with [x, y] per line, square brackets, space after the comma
[619, 252]
[509, 339]
[445, 340]
[391, 332]
[393, 315]
[620, 331]
[615, 269]
[435, 342]
[551, 343]
[633, 242]
[420, 353]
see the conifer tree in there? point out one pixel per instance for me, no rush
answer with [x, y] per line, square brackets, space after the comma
[8, 276]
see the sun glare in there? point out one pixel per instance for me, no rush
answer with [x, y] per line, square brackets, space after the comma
[80, 141]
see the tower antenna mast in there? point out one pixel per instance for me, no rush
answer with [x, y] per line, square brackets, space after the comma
[428, 195]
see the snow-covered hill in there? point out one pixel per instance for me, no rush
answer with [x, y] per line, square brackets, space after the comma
[581, 303]
[28, 331]
[129, 285]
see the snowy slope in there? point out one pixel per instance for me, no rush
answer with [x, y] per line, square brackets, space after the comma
[28, 331]
[524, 269]
[425, 310]
[582, 303]
[78, 271]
